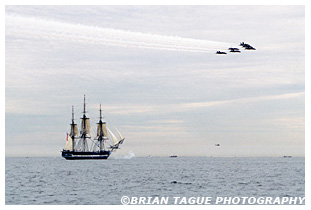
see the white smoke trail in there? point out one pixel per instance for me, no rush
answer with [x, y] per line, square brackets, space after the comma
[39, 28]
[127, 157]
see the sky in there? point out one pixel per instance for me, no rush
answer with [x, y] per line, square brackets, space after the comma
[156, 74]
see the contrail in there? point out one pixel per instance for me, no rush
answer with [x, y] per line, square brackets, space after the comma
[47, 29]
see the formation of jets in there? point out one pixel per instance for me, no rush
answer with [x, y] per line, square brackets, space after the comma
[236, 50]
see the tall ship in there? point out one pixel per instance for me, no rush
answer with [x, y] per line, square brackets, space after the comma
[81, 145]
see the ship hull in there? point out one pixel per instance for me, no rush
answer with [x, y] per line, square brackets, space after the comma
[87, 158]
[70, 155]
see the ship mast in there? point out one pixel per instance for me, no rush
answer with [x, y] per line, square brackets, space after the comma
[85, 128]
[73, 129]
[100, 123]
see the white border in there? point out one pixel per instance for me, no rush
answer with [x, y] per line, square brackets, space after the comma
[166, 2]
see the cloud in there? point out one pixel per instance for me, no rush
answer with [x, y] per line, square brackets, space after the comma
[183, 107]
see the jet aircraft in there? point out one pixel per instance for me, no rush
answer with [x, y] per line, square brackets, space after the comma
[219, 52]
[247, 46]
[234, 49]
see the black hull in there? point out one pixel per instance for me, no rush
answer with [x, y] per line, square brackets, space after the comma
[70, 155]
[87, 158]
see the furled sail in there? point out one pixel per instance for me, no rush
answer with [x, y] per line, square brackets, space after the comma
[68, 145]
[74, 130]
[102, 127]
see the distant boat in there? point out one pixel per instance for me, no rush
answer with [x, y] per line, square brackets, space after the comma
[82, 146]
[217, 145]
[173, 156]
[287, 156]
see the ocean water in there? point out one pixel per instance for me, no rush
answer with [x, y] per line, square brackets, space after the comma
[54, 180]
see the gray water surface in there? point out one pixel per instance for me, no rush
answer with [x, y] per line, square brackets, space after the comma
[54, 180]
